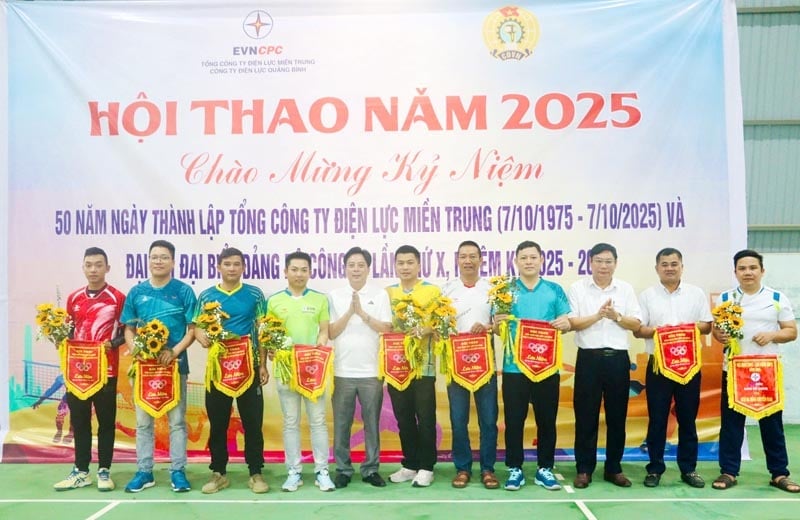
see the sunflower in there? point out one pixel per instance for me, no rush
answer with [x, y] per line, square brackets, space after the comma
[154, 326]
[214, 329]
[44, 307]
[57, 322]
[210, 306]
[736, 322]
[59, 312]
[41, 319]
[153, 346]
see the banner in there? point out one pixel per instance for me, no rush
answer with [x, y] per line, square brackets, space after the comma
[677, 353]
[317, 126]
[755, 385]
[85, 367]
[156, 388]
[312, 365]
[235, 367]
[472, 360]
[537, 349]
[393, 366]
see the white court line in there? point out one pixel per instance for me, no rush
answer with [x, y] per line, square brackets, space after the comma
[585, 510]
[103, 511]
[408, 501]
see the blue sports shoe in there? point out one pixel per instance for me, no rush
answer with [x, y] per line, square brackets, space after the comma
[142, 480]
[545, 478]
[179, 482]
[515, 479]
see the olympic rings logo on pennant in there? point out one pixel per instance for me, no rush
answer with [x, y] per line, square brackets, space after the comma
[470, 358]
[312, 369]
[537, 348]
[232, 364]
[399, 358]
[157, 384]
[83, 366]
[678, 350]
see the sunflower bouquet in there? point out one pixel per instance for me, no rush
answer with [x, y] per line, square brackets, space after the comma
[273, 337]
[728, 318]
[211, 319]
[443, 321]
[54, 324]
[408, 317]
[149, 340]
[502, 293]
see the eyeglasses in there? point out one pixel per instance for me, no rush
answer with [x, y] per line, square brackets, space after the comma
[162, 258]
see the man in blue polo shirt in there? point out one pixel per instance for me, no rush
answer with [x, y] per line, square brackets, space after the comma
[536, 299]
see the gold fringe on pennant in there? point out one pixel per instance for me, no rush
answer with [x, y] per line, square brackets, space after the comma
[391, 381]
[485, 378]
[71, 388]
[176, 385]
[541, 376]
[412, 347]
[443, 349]
[213, 367]
[765, 412]
[658, 362]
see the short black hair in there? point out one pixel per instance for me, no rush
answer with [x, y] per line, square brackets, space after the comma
[297, 255]
[469, 243]
[358, 251]
[744, 253]
[229, 252]
[93, 251]
[602, 247]
[404, 250]
[166, 245]
[525, 244]
[667, 251]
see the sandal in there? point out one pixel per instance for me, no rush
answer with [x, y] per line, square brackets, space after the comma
[461, 480]
[725, 481]
[489, 480]
[785, 484]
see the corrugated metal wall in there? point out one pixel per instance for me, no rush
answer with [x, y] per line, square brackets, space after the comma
[769, 41]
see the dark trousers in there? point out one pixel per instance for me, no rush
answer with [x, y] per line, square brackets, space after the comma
[251, 411]
[415, 411]
[660, 393]
[731, 436]
[105, 408]
[600, 375]
[518, 393]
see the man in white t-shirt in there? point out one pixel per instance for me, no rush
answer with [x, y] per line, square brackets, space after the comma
[671, 302]
[469, 293]
[359, 312]
[768, 321]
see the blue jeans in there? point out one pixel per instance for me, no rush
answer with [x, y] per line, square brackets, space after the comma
[486, 406]
[145, 438]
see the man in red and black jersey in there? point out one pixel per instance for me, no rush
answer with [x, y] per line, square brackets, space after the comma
[95, 312]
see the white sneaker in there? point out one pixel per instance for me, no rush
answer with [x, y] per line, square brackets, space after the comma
[402, 475]
[424, 478]
[76, 479]
[323, 481]
[293, 481]
[104, 482]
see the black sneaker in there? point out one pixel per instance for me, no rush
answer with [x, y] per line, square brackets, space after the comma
[341, 480]
[375, 479]
[652, 480]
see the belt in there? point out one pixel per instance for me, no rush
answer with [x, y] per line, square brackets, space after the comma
[605, 352]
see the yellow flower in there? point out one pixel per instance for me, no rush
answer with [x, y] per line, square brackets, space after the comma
[214, 329]
[153, 346]
[210, 306]
[44, 307]
[154, 326]
[57, 322]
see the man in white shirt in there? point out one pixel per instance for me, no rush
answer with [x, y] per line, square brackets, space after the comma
[469, 293]
[604, 310]
[359, 312]
[671, 302]
[768, 321]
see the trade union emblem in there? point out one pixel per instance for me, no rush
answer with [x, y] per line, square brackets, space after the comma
[511, 33]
